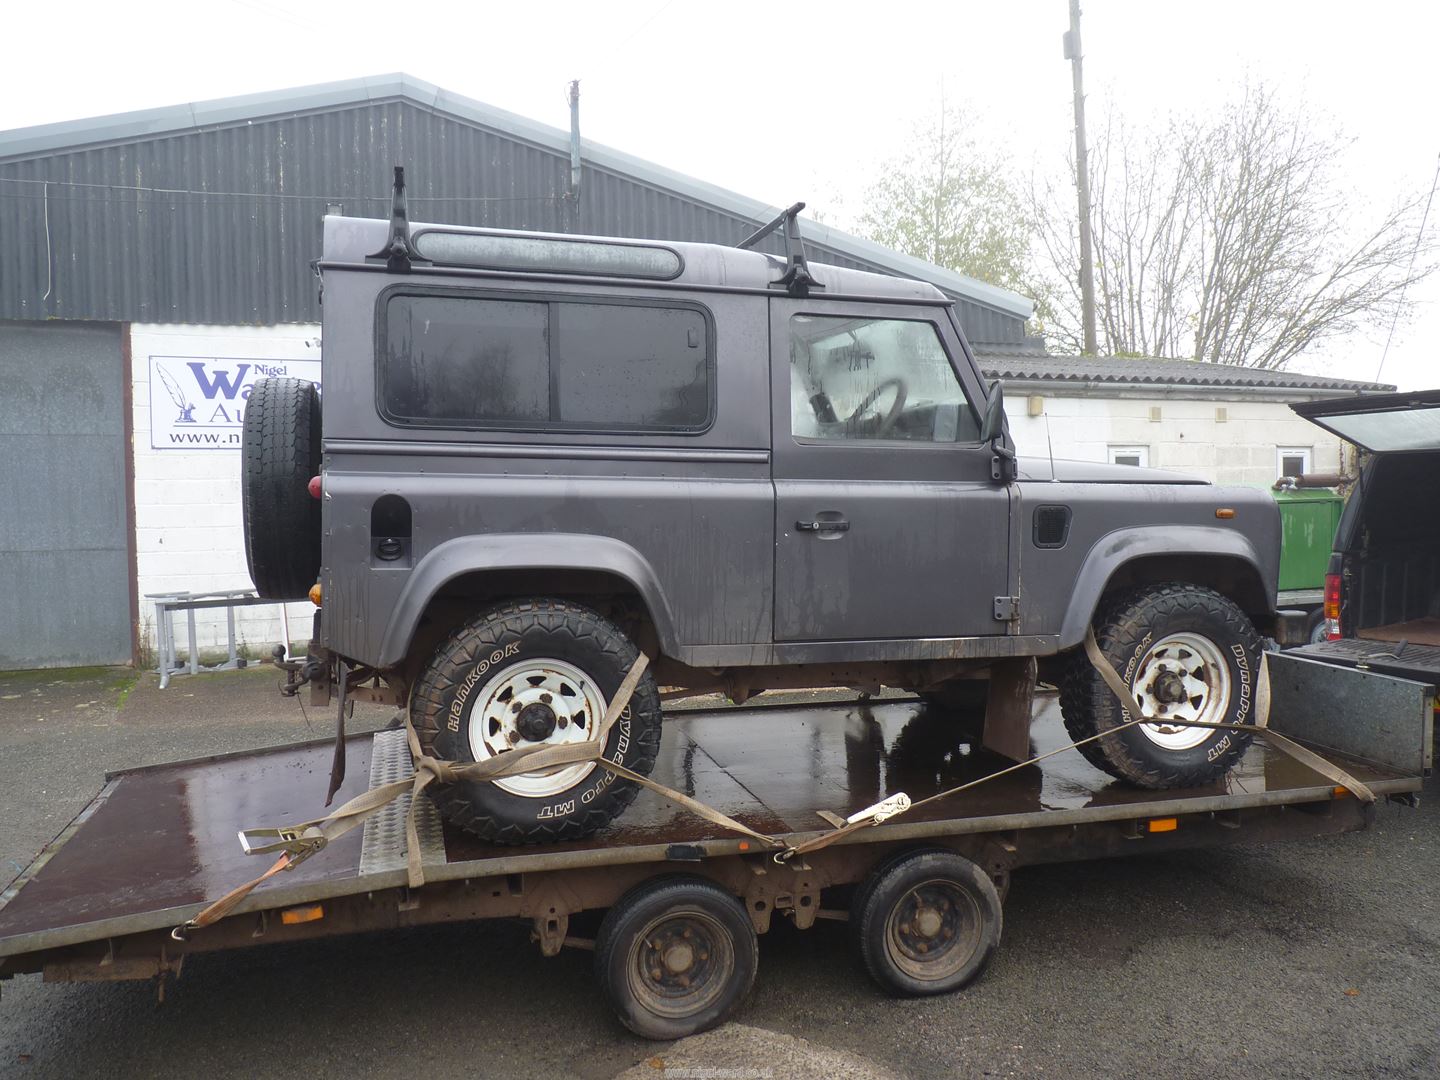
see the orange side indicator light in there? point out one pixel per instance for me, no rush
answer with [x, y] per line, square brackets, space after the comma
[1163, 824]
[1340, 792]
[1224, 513]
[744, 845]
[304, 913]
[315, 594]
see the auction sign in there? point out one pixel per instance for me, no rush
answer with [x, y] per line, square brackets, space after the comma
[198, 402]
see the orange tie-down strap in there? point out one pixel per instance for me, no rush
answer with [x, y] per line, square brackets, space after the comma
[299, 842]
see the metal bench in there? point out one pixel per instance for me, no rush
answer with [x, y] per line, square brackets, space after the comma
[167, 604]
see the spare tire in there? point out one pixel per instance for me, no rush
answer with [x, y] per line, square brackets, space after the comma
[279, 453]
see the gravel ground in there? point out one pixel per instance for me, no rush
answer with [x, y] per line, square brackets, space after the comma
[1289, 960]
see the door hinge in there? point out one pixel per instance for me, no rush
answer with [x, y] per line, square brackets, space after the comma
[1007, 608]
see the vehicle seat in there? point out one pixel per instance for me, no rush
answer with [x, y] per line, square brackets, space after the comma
[803, 424]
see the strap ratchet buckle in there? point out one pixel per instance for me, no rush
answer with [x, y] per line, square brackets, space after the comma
[299, 842]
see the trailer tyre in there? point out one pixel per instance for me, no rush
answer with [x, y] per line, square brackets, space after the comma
[1187, 653]
[535, 673]
[675, 956]
[279, 454]
[926, 922]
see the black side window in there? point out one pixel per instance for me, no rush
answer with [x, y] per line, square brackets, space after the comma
[469, 362]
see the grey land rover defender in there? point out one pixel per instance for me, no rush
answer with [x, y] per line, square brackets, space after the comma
[540, 454]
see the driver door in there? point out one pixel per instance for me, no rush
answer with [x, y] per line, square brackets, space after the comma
[888, 524]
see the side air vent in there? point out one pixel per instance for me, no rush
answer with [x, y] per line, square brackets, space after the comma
[1052, 526]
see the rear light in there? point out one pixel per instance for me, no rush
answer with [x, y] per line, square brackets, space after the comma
[1332, 607]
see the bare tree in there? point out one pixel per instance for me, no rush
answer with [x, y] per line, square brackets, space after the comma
[951, 203]
[1229, 239]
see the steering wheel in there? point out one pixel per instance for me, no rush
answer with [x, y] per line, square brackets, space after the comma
[888, 420]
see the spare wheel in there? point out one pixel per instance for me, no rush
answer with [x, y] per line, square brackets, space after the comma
[279, 454]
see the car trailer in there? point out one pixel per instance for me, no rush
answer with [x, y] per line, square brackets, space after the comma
[676, 950]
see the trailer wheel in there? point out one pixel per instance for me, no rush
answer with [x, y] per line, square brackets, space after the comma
[1187, 653]
[279, 454]
[675, 956]
[926, 922]
[535, 673]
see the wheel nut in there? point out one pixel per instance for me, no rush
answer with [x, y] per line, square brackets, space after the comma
[562, 723]
[546, 699]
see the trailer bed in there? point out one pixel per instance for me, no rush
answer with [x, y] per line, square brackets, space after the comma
[158, 842]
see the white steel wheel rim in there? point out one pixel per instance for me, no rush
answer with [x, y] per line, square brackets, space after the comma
[1192, 668]
[499, 721]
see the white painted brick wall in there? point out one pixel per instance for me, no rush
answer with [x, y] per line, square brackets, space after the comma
[187, 502]
[1188, 438]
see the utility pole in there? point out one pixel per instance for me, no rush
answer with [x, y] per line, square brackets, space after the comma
[1082, 181]
[575, 138]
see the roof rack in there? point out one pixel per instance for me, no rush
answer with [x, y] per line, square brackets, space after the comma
[399, 252]
[797, 279]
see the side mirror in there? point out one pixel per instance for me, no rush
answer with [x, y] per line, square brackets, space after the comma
[1003, 467]
[994, 423]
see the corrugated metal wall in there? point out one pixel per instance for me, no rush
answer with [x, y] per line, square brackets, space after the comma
[80, 243]
[64, 555]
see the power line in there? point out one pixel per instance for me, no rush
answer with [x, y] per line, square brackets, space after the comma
[1419, 236]
[160, 191]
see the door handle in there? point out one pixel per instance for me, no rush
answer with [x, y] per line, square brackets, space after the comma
[823, 526]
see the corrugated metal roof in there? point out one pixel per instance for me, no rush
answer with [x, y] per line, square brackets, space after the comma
[166, 215]
[1119, 370]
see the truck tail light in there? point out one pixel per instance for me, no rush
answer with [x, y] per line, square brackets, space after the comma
[1332, 607]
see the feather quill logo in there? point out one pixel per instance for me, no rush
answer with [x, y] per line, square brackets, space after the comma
[177, 395]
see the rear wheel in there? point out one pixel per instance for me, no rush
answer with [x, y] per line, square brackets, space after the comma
[675, 957]
[926, 922]
[279, 454]
[1187, 654]
[535, 673]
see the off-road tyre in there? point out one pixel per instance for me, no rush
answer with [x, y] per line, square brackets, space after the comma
[888, 938]
[653, 1002]
[279, 454]
[503, 639]
[1127, 627]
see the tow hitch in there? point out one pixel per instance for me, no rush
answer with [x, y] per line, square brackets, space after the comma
[313, 671]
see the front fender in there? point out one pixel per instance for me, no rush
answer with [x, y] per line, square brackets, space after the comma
[529, 551]
[1113, 550]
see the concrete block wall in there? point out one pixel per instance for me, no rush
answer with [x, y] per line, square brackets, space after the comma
[1187, 437]
[188, 527]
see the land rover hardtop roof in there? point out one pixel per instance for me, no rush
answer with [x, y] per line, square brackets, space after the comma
[355, 242]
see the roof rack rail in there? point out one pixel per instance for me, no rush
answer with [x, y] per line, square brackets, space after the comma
[797, 279]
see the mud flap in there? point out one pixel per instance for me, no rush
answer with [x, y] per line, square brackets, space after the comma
[1009, 708]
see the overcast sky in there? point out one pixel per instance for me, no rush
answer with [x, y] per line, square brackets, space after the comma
[788, 102]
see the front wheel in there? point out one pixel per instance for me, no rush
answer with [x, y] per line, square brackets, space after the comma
[1187, 654]
[526, 674]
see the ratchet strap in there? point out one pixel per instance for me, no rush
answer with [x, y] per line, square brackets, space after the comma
[298, 842]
